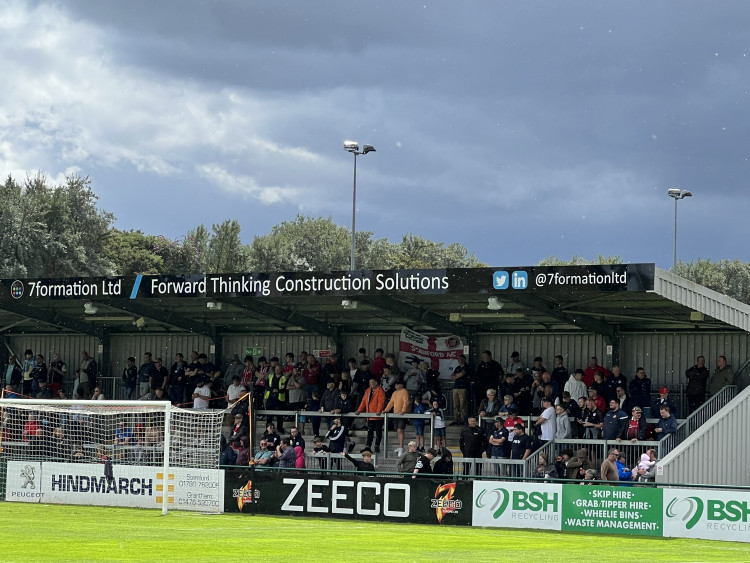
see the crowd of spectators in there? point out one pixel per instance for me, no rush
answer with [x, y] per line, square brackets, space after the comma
[487, 401]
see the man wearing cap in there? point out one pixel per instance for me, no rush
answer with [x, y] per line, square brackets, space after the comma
[499, 444]
[424, 463]
[234, 445]
[608, 470]
[636, 427]
[578, 465]
[520, 447]
[664, 400]
[547, 421]
[615, 422]
[343, 403]
[515, 363]
[400, 403]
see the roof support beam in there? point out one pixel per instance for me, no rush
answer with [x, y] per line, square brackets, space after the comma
[51, 317]
[164, 316]
[418, 314]
[582, 321]
[285, 315]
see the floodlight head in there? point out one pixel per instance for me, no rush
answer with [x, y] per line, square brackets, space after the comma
[494, 304]
[678, 193]
[348, 304]
[351, 146]
[89, 308]
[367, 148]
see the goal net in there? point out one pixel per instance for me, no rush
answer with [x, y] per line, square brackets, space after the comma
[110, 453]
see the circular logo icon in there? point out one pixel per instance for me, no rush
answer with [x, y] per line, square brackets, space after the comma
[16, 289]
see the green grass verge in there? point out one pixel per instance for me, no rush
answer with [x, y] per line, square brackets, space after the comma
[34, 532]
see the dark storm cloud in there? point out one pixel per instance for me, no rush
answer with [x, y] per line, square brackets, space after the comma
[559, 125]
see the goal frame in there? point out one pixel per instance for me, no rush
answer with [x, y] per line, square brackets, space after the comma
[166, 406]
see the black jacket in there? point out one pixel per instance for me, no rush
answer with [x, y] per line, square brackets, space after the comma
[472, 441]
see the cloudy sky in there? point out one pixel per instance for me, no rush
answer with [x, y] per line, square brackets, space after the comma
[518, 129]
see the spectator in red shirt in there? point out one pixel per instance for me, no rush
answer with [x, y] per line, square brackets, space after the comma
[378, 363]
[588, 373]
[599, 401]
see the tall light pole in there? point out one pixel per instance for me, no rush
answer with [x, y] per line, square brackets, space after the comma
[677, 193]
[353, 147]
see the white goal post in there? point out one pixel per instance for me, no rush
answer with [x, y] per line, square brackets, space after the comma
[111, 453]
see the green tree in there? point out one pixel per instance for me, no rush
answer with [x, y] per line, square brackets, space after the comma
[52, 231]
[304, 244]
[730, 277]
[77, 230]
[226, 254]
[580, 261]
[133, 252]
[417, 252]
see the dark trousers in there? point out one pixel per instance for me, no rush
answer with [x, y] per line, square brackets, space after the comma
[374, 427]
[695, 401]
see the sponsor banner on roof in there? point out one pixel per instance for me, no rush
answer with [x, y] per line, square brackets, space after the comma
[545, 279]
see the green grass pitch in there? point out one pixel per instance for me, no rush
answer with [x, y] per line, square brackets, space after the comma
[35, 532]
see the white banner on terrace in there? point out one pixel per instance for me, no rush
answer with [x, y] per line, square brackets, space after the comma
[440, 352]
[200, 490]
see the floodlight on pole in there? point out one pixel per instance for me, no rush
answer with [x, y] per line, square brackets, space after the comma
[677, 194]
[353, 147]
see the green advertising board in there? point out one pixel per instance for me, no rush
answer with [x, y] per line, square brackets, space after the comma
[612, 510]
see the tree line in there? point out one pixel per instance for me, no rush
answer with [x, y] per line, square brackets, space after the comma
[59, 231]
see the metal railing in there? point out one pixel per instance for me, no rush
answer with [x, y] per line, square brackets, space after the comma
[385, 417]
[596, 450]
[708, 409]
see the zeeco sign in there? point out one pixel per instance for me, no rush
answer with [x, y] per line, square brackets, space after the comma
[340, 497]
[503, 504]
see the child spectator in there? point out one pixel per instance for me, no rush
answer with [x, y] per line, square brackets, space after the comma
[313, 405]
[644, 465]
[418, 408]
[438, 424]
